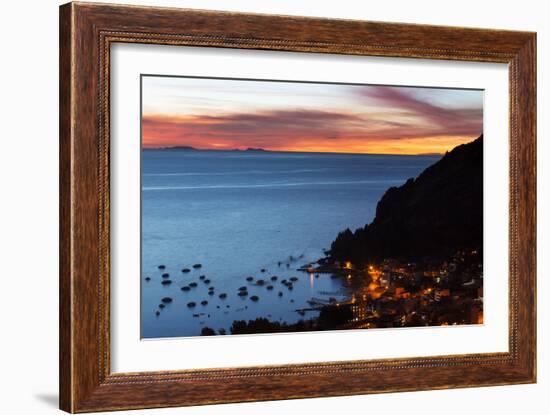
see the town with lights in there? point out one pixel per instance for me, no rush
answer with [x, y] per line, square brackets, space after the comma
[405, 294]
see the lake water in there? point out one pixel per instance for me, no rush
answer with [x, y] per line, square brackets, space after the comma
[237, 213]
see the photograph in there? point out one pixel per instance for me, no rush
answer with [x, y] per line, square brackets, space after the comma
[277, 206]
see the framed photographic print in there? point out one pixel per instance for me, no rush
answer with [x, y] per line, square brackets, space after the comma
[261, 207]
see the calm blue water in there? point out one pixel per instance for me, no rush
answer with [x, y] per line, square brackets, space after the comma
[239, 212]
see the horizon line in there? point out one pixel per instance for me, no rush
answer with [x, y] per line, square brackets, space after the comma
[262, 150]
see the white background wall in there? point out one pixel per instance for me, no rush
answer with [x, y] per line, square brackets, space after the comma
[29, 208]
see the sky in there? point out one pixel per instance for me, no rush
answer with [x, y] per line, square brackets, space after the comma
[228, 114]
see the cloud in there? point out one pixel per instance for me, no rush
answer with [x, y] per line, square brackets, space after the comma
[298, 120]
[264, 129]
[448, 121]
[400, 118]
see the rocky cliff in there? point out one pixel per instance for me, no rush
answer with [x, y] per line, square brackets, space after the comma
[433, 215]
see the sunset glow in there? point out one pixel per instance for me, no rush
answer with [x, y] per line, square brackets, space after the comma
[307, 117]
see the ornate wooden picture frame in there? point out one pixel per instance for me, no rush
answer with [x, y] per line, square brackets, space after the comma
[87, 32]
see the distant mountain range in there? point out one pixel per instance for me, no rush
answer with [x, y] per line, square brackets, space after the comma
[433, 215]
[190, 148]
[253, 149]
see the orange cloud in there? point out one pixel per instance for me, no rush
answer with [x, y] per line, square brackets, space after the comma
[320, 131]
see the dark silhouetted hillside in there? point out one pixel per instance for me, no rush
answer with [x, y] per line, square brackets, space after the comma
[434, 215]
